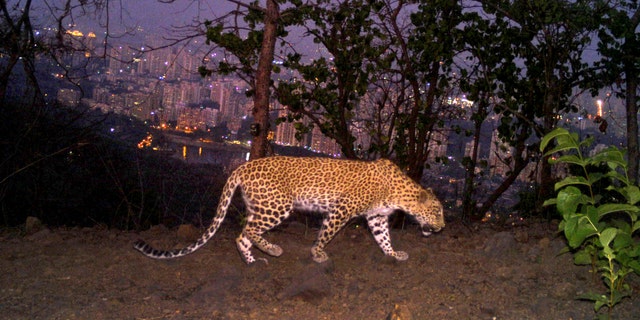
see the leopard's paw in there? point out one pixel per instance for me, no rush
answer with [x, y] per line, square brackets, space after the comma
[319, 256]
[274, 250]
[401, 255]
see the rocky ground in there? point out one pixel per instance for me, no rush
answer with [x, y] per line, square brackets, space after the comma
[477, 272]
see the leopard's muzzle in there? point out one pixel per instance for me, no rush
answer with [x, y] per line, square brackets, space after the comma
[428, 230]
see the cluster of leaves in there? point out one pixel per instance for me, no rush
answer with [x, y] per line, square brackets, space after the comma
[331, 88]
[601, 230]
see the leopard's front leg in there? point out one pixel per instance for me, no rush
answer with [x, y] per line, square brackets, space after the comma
[379, 226]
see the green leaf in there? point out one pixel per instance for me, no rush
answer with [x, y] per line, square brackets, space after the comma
[582, 257]
[559, 148]
[592, 214]
[568, 200]
[599, 303]
[552, 135]
[550, 202]
[565, 142]
[610, 255]
[632, 193]
[571, 180]
[570, 158]
[617, 176]
[612, 156]
[586, 142]
[608, 208]
[636, 226]
[607, 236]
[595, 297]
[577, 229]
[635, 266]
[610, 153]
[618, 295]
[595, 177]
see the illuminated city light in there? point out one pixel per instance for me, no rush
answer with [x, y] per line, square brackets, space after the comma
[146, 142]
[599, 105]
[75, 33]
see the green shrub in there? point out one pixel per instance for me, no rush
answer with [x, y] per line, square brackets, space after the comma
[600, 230]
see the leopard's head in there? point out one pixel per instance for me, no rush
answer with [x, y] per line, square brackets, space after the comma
[429, 212]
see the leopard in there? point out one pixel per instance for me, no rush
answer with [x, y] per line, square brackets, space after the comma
[274, 187]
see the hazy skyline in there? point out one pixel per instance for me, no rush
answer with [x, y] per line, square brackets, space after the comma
[151, 15]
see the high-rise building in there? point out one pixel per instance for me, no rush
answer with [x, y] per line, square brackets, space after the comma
[191, 119]
[120, 61]
[68, 97]
[220, 92]
[323, 144]
[437, 145]
[285, 132]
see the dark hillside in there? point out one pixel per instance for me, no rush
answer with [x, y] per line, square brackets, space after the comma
[82, 169]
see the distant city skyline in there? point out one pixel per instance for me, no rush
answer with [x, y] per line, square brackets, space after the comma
[149, 14]
[163, 16]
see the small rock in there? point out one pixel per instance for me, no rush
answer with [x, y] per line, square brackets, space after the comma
[32, 225]
[521, 236]
[400, 312]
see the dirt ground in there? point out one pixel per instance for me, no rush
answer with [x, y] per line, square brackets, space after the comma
[477, 272]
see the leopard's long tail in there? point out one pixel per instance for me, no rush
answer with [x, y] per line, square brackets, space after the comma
[221, 211]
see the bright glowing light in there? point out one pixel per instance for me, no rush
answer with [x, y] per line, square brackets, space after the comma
[599, 105]
[75, 33]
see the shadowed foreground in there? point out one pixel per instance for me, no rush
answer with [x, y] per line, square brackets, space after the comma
[457, 274]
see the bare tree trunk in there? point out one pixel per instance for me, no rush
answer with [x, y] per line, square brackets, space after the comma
[520, 162]
[468, 205]
[260, 127]
[632, 123]
[631, 99]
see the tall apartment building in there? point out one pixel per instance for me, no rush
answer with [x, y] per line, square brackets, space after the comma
[285, 132]
[438, 145]
[120, 62]
[230, 96]
[193, 118]
[323, 144]
[168, 63]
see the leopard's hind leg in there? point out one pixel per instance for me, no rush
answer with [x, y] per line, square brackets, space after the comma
[331, 225]
[260, 221]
